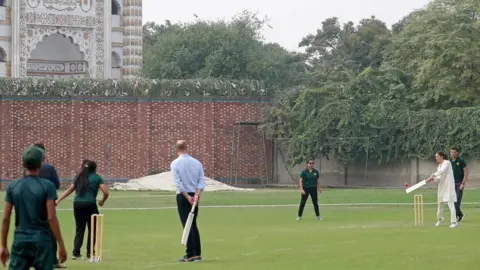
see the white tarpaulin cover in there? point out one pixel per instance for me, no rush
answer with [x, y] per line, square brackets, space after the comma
[164, 182]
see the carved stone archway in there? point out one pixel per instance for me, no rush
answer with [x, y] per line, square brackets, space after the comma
[83, 37]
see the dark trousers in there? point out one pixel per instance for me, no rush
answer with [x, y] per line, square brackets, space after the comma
[54, 249]
[313, 193]
[83, 212]
[23, 256]
[194, 247]
[459, 200]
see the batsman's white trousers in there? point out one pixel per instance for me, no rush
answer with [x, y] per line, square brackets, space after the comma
[451, 206]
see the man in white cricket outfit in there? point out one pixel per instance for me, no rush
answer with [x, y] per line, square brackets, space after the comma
[446, 188]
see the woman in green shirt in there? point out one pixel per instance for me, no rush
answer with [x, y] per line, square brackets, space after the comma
[86, 185]
[309, 185]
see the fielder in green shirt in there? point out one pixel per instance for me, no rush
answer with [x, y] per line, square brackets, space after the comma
[35, 218]
[460, 174]
[308, 187]
[86, 186]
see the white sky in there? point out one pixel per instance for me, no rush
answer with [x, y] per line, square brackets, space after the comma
[290, 20]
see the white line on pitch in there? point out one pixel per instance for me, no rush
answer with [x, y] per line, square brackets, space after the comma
[282, 249]
[258, 206]
[140, 196]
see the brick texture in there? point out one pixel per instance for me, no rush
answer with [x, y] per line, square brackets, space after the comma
[128, 137]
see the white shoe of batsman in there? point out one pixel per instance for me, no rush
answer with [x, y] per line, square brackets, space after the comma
[439, 222]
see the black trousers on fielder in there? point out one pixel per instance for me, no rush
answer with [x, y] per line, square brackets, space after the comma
[314, 194]
[194, 247]
[83, 212]
[459, 200]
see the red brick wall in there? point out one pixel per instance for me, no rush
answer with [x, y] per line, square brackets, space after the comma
[141, 134]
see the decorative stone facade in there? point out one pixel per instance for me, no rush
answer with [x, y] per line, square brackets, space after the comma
[87, 24]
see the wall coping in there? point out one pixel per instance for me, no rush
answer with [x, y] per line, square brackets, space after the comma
[207, 99]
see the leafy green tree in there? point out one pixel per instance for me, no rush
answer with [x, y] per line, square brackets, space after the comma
[337, 53]
[391, 95]
[437, 54]
[221, 49]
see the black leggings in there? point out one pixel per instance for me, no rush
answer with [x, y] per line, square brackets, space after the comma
[83, 212]
[309, 192]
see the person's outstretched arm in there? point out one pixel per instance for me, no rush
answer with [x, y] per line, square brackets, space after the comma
[443, 168]
[66, 193]
[438, 174]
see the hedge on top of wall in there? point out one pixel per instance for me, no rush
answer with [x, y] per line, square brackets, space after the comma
[135, 88]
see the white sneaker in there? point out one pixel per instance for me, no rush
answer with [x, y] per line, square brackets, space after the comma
[299, 218]
[319, 218]
[453, 225]
[439, 222]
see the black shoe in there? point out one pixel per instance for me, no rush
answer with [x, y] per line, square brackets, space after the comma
[461, 218]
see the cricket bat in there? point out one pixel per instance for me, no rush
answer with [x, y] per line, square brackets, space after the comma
[188, 225]
[416, 186]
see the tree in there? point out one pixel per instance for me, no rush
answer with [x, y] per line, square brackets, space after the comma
[338, 53]
[399, 90]
[437, 54]
[152, 30]
[221, 49]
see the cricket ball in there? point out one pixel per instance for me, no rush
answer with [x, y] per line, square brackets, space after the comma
[406, 184]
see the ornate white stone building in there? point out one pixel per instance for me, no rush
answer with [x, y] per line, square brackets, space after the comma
[71, 38]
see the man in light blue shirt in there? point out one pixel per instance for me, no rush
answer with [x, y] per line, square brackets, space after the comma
[188, 173]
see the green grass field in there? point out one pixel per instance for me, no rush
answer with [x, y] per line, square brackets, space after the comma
[143, 231]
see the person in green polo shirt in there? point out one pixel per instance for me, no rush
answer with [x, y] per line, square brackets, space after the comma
[35, 218]
[460, 174]
[86, 185]
[308, 187]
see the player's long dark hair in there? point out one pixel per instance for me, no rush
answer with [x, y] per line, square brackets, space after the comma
[80, 182]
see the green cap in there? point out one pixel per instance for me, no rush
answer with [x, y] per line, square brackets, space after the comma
[33, 155]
